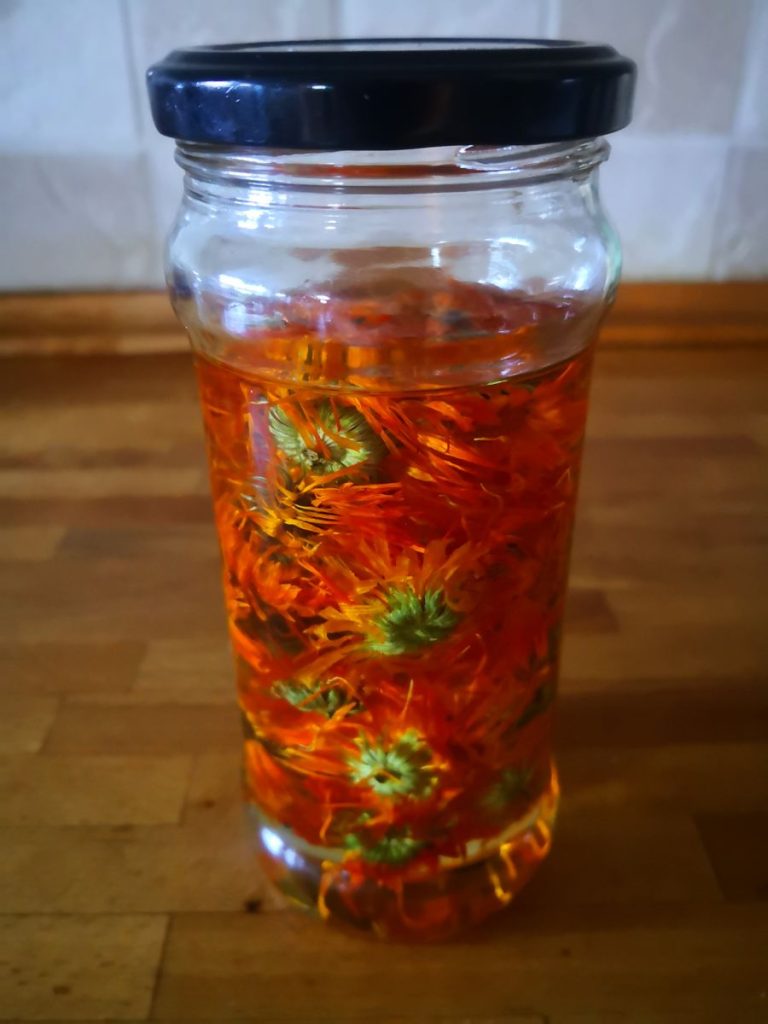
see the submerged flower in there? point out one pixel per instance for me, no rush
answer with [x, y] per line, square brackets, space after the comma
[540, 702]
[400, 769]
[396, 847]
[326, 699]
[393, 600]
[334, 439]
[270, 629]
[512, 784]
[412, 622]
[249, 730]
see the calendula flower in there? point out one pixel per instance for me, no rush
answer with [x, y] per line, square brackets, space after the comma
[396, 847]
[511, 785]
[395, 600]
[399, 769]
[331, 439]
[411, 622]
[540, 702]
[269, 581]
[326, 699]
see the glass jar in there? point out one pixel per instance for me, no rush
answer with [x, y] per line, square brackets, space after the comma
[393, 346]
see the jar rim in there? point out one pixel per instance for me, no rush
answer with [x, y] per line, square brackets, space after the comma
[456, 168]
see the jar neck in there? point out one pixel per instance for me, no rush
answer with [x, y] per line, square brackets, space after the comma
[218, 172]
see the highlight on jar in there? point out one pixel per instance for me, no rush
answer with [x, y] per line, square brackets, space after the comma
[393, 345]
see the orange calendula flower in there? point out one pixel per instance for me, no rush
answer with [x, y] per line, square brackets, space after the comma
[325, 438]
[400, 769]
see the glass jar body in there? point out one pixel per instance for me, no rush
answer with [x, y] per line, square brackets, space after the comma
[393, 353]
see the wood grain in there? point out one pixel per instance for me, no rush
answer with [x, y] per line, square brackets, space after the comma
[119, 779]
[645, 313]
[82, 965]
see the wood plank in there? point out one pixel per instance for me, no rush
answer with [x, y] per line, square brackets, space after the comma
[83, 790]
[92, 967]
[118, 482]
[152, 730]
[214, 797]
[29, 543]
[645, 957]
[737, 847]
[660, 313]
[97, 379]
[737, 711]
[113, 322]
[689, 314]
[135, 540]
[505, 1018]
[194, 668]
[622, 855]
[25, 722]
[713, 778]
[68, 667]
[666, 654]
[129, 869]
[112, 599]
[126, 510]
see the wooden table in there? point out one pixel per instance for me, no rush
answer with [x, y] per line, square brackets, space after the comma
[127, 884]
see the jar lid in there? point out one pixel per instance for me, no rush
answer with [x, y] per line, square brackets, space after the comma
[391, 93]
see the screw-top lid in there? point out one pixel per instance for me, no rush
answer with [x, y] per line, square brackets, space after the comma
[391, 93]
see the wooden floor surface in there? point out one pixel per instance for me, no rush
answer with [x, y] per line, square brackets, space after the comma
[127, 887]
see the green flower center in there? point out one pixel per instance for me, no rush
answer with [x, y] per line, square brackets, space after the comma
[400, 770]
[336, 439]
[396, 847]
[412, 622]
[326, 700]
[540, 702]
[512, 784]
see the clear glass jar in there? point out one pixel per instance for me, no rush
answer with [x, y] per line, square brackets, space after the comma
[393, 354]
[393, 348]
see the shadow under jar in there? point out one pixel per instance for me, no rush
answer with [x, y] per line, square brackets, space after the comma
[392, 261]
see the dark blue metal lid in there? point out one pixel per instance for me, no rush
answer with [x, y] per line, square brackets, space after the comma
[391, 93]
